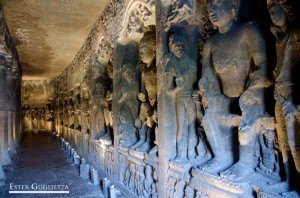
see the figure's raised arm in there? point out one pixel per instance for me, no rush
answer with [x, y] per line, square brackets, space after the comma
[209, 82]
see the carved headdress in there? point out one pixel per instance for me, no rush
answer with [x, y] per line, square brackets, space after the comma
[235, 3]
[285, 5]
[275, 2]
[149, 40]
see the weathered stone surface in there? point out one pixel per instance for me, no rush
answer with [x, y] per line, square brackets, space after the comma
[166, 106]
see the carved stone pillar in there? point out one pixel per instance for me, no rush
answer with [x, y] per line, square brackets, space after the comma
[10, 109]
[4, 156]
[16, 94]
[2, 128]
[176, 25]
[166, 123]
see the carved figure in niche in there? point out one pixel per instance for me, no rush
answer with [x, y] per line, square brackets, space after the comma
[70, 109]
[150, 127]
[105, 73]
[77, 106]
[104, 61]
[286, 84]
[180, 75]
[154, 151]
[148, 181]
[202, 148]
[101, 82]
[97, 115]
[268, 165]
[140, 122]
[144, 126]
[107, 138]
[128, 109]
[86, 110]
[149, 74]
[66, 111]
[238, 76]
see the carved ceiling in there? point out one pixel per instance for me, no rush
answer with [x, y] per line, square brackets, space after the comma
[49, 33]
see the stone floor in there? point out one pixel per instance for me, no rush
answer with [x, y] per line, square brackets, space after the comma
[42, 161]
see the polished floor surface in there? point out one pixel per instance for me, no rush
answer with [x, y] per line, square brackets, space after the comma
[41, 162]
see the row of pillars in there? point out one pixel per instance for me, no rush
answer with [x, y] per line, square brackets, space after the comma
[9, 113]
[10, 99]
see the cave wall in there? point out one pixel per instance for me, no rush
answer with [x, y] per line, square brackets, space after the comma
[10, 98]
[37, 105]
[168, 103]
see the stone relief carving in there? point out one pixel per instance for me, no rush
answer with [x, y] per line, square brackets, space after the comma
[86, 98]
[181, 11]
[287, 47]
[71, 109]
[140, 122]
[77, 107]
[97, 115]
[147, 97]
[139, 15]
[269, 161]
[104, 56]
[128, 109]
[216, 83]
[229, 112]
[147, 49]
[287, 124]
[180, 75]
[10, 102]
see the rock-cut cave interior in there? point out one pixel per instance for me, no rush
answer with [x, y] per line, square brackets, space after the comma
[150, 98]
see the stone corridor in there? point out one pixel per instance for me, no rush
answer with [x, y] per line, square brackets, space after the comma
[42, 161]
[150, 98]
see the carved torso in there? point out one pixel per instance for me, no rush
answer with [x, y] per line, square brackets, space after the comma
[288, 58]
[231, 56]
[185, 73]
[149, 77]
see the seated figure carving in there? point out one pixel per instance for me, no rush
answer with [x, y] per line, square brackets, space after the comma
[237, 76]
